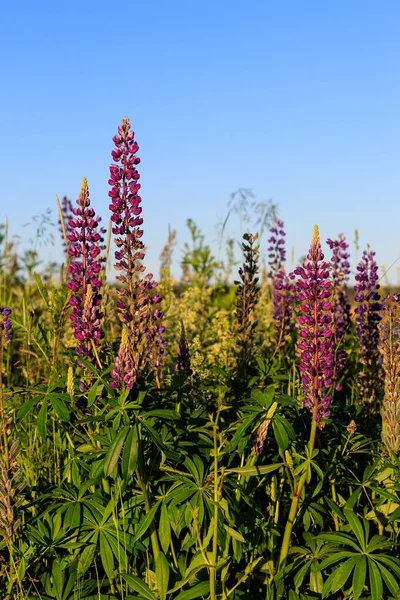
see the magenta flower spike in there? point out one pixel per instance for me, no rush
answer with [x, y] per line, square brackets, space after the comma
[368, 309]
[137, 301]
[316, 346]
[84, 272]
[283, 289]
[340, 273]
[276, 249]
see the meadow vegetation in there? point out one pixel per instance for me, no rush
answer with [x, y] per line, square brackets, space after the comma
[231, 435]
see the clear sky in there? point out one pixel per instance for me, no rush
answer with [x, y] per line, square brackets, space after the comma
[298, 100]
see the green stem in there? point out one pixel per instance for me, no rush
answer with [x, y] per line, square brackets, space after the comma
[213, 566]
[295, 500]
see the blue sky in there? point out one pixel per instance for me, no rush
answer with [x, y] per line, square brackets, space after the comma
[297, 100]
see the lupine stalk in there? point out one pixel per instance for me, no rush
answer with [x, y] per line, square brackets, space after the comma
[137, 300]
[283, 289]
[389, 348]
[183, 365]
[6, 334]
[85, 282]
[340, 273]
[367, 299]
[316, 348]
[316, 351]
[247, 291]
[276, 249]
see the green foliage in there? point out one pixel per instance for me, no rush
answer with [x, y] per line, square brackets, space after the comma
[160, 492]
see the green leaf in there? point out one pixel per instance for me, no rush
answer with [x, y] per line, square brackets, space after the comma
[93, 392]
[356, 525]
[86, 559]
[114, 451]
[163, 413]
[359, 576]
[235, 534]
[334, 507]
[130, 453]
[375, 581]
[341, 575]
[280, 433]
[162, 575]
[201, 589]
[60, 408]
[301, 573]
[339, 538]
[390, 581]
[164, 528]
[26, 408]
[395, 516]
[42, 420]
[352, 501]
[57, 573]
[146, 521]
[139, 586]
[262, 470]
[106, 556]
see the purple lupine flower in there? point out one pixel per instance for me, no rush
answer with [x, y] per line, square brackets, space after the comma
[283, 297]
[340, 272]
[183, 362]
[368, 308]
[123, 373]
[5, 324]
[282, 284]
[136, 299]
[316, 346]
[276, 249]
[84, 273]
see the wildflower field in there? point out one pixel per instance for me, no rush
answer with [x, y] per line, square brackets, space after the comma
[232, 435]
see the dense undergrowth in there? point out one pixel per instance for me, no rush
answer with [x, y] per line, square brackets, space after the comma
[196, 439]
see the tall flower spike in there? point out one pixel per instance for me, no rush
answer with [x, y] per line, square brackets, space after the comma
[368, 308]
[137, 299]
[183, 363]
[340, 272]
[389, 347]
[316, 346]
[247, 291]
[84, 280]
[283, 288]
[276, 249]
